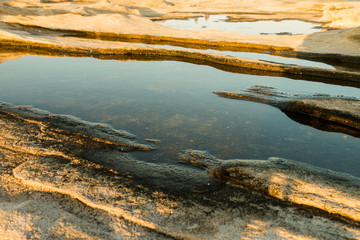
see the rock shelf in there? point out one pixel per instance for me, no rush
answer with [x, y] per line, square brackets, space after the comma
[64, 178]
[50, 181]
[289, 181]
[341, 110]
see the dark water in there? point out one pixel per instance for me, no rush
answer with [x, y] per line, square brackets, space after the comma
[219, 22]
[173, 102]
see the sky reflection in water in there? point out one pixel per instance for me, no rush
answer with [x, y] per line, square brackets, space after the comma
[173, 102]
[218, 22]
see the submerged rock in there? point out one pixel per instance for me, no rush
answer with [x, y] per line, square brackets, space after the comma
[336, 109]
[70, 125]
[47, 164]
[61, 177]
[154, 141]
[290, 181]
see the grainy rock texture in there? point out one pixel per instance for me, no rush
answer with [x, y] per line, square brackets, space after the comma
[124, 19]
[63, 178]
[289, 181]
[51, 187]
[339, 110]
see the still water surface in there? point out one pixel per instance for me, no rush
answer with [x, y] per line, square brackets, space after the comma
[173, 102]
[258, 56]
[219, 22]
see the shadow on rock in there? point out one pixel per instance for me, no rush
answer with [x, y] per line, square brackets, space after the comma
[321, 111]
[92, 163]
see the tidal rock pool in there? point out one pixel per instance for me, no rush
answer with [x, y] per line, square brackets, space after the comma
[221, 22]
[173, 105]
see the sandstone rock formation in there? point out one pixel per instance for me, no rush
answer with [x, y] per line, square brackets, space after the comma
[64, 178]
[52, 187]
[342, 112]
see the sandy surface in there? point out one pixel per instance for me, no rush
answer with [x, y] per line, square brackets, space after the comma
[52, 182]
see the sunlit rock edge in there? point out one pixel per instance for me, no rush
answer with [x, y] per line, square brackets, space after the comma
[289, 181]
[46, 166]
[341, 110]
[84, 29]
[95, 20]
[50, 189]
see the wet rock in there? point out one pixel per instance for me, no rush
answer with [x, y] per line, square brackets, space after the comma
[70, 125]
[131, 20]
[336, 109]
[290, 181]
[94, 188]
[154, 141]
[212, 216]
[68, 173]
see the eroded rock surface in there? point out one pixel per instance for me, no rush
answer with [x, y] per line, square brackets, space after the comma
[54, 184]
[116, 28]
[289, 181]
[61, 177]
[128, 20]
[337, 109]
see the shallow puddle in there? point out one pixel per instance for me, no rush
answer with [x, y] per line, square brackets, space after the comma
[219, 22]
[173, 102]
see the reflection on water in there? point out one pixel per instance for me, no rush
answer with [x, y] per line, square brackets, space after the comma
[276, 59]
[173, 102]
[219, 22]
[259, 56]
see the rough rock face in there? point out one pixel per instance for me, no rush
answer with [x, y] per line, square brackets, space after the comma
[53, 185]
[289, 181]
[79, 28]
[129, 17]
[64, 178]
[342, 14]
[339, 110]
